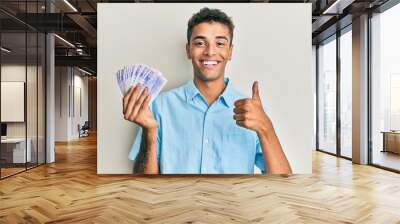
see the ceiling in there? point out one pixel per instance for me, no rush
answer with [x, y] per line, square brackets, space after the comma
[76, 22]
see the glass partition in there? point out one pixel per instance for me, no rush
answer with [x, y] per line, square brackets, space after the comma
[13, 104]
[22, 77]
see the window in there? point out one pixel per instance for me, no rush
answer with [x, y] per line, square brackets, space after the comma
[385, 88]
[327, 96]
[346, 93]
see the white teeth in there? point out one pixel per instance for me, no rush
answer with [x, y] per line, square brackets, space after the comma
[209, 62]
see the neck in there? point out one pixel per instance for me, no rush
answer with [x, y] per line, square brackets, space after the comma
[211, 90]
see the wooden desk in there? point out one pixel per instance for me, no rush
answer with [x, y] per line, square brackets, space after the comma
[13, 150]
[391, 141]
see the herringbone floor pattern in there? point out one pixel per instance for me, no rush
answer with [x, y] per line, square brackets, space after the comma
[70, 191]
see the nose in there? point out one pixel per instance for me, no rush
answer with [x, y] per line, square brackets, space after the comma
[210, 50]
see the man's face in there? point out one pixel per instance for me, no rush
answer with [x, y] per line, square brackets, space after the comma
[210, 50]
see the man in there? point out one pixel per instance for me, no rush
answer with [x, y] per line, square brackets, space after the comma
[205, 126]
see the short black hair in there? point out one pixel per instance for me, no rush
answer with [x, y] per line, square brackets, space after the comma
[209, 15]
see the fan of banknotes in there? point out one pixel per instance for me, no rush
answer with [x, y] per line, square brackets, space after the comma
[143, 75]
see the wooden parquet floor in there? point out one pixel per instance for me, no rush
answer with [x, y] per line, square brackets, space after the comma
[70, 191]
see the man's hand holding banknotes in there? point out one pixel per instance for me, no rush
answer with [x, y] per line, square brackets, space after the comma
[140, 84]
[136, 107]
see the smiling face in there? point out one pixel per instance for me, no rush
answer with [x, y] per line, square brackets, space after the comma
[210, 50]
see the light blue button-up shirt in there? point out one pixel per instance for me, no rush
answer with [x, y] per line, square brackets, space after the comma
[197, 138]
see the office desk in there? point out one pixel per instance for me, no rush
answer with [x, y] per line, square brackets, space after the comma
[13, 150]
[391, 141]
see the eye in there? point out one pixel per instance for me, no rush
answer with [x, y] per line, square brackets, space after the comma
[221, 43]
[199, 43]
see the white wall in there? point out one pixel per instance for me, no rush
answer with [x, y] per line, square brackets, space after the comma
[61, 103]
[272, 44]
[68, 83]
[81, 82]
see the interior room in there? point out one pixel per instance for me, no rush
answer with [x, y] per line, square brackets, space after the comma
[50, 134]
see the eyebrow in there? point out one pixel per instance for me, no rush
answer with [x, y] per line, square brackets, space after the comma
[222, 37]
[203, 38]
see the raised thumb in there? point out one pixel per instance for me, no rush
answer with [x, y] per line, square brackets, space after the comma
[256, 93]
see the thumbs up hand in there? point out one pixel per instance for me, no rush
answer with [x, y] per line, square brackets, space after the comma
[249, 113]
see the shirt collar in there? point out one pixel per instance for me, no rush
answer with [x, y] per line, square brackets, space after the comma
[227, 97]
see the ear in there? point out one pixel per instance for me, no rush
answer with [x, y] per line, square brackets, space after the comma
[188, 51]
[230, 52]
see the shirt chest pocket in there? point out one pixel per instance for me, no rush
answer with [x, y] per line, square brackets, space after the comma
[238, 146]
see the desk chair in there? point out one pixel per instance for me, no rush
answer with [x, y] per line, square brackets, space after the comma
[84, 130]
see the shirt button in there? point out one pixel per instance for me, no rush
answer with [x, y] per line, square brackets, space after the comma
[206, 141]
